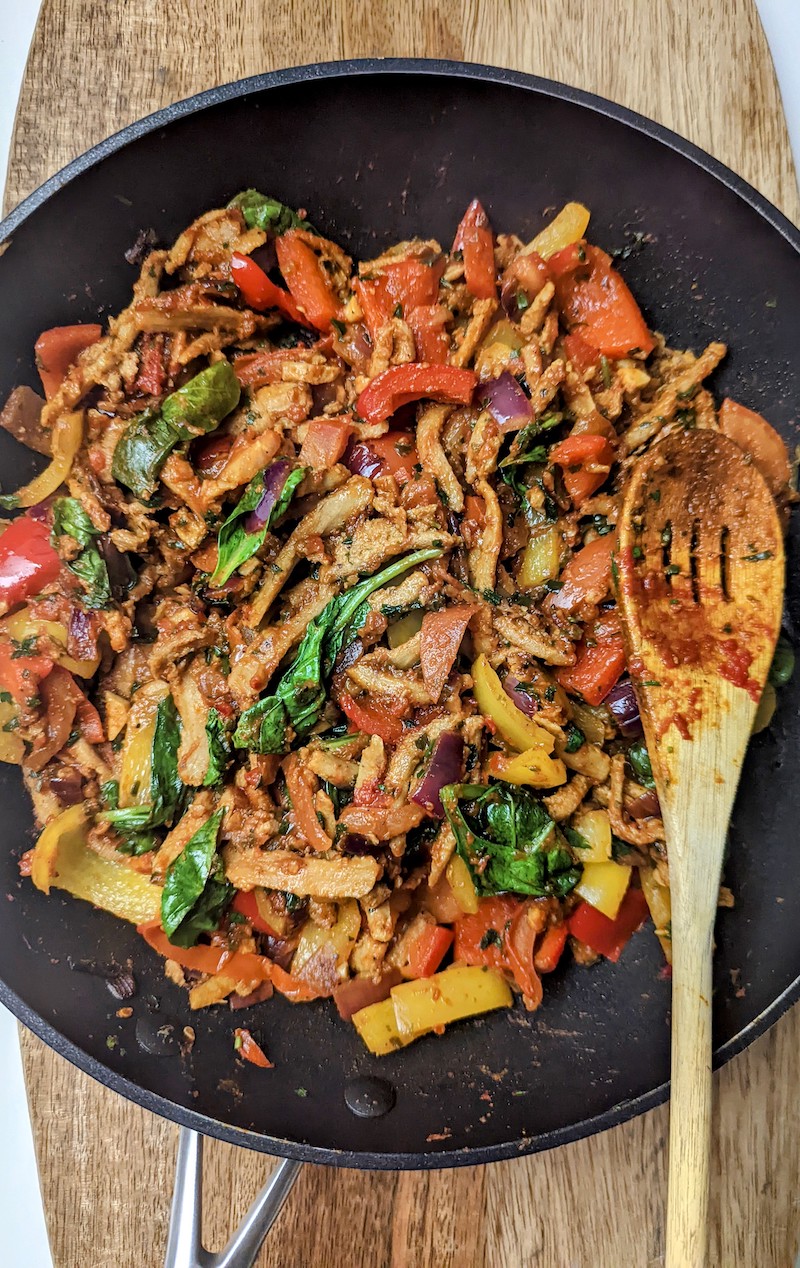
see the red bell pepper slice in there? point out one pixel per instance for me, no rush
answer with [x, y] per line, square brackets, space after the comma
[551, 948]
[600, 661]
[428, 950]
[587, 576]
[582, 355]
[307, 281]
[475, 241]
[409, 283]
[415, 381]
[593, 296]
[20, 675]
[394, 454]
[500, 935]
[373, 719]
[58, 349]
[608, 937]
[152, 376]
[258, 291]
[245, 903]
[429, 327]
[244, 966]
[246, 1046]
[324, 444]
[440, 640]
[575, 456]
[293, 988]
[28, 561]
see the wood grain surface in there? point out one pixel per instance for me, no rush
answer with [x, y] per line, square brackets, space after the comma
[703, 68]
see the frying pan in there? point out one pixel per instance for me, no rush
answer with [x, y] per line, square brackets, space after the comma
[378, 151]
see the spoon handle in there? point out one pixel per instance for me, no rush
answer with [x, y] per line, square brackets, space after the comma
[691, 1091]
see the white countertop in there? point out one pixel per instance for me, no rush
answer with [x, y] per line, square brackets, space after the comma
[23, 1238]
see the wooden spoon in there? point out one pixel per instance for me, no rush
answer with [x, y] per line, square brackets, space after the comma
[700, 575]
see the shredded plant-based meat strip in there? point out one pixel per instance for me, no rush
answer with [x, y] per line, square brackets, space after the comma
[311, 669]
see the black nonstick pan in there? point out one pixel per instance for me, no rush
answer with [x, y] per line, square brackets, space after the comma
[379, 151]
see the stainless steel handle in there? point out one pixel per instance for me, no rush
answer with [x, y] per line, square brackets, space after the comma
[185, 1241]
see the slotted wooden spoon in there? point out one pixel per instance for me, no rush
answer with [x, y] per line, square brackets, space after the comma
[700, 583]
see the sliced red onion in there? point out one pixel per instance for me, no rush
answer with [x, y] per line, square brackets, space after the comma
[82, 635]
[622, 702]
[41, 511]
[258, 996]
[525, 701]
[361, 460]
[67, 786]
[274, 480]
[444, 768]
[357, 992]
[645, 807]
[121, 574]
[505, 399]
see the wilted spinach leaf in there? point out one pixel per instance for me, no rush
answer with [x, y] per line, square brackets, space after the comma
[300, 696]
[195, 892]
[508, 841]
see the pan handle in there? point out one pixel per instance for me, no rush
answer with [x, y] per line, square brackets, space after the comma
[185, 1241]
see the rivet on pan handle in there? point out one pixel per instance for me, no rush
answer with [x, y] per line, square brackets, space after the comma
[185, 1245]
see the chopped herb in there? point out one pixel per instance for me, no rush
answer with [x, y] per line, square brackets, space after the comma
[339, 327]
[575, 738]
[758, 556]
[490, 939]
[522, 301]
[637, 552]
[639, 760]
[23, 647]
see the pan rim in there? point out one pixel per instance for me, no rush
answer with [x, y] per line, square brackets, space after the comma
[442, 68]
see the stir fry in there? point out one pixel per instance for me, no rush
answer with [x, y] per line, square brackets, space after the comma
[309, 646]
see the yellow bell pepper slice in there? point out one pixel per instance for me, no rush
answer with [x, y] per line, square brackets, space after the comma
[519, 732]
[340, 938]
[65, 442]
[595, 828]
[23, 624]
[458, 992]
[567, 227]
[62, 858]
[603, 886]
[459, 878]
[377, 1026]
[534, 768]
[540, 559]
[659, 902]
[402, 631]
[12, 750]
[506, 333]
[137, 750]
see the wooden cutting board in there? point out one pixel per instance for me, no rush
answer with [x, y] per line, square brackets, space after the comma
[106, 1167]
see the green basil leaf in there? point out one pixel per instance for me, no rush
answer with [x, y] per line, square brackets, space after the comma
[220, 748]
[300, 696]
[508, 841]
[234, 544]
[69, 517]
[91, 569]
[202, 403]
[166, 786]
[199, 406]
[261, 212]
[639, 759]
[195, 892]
